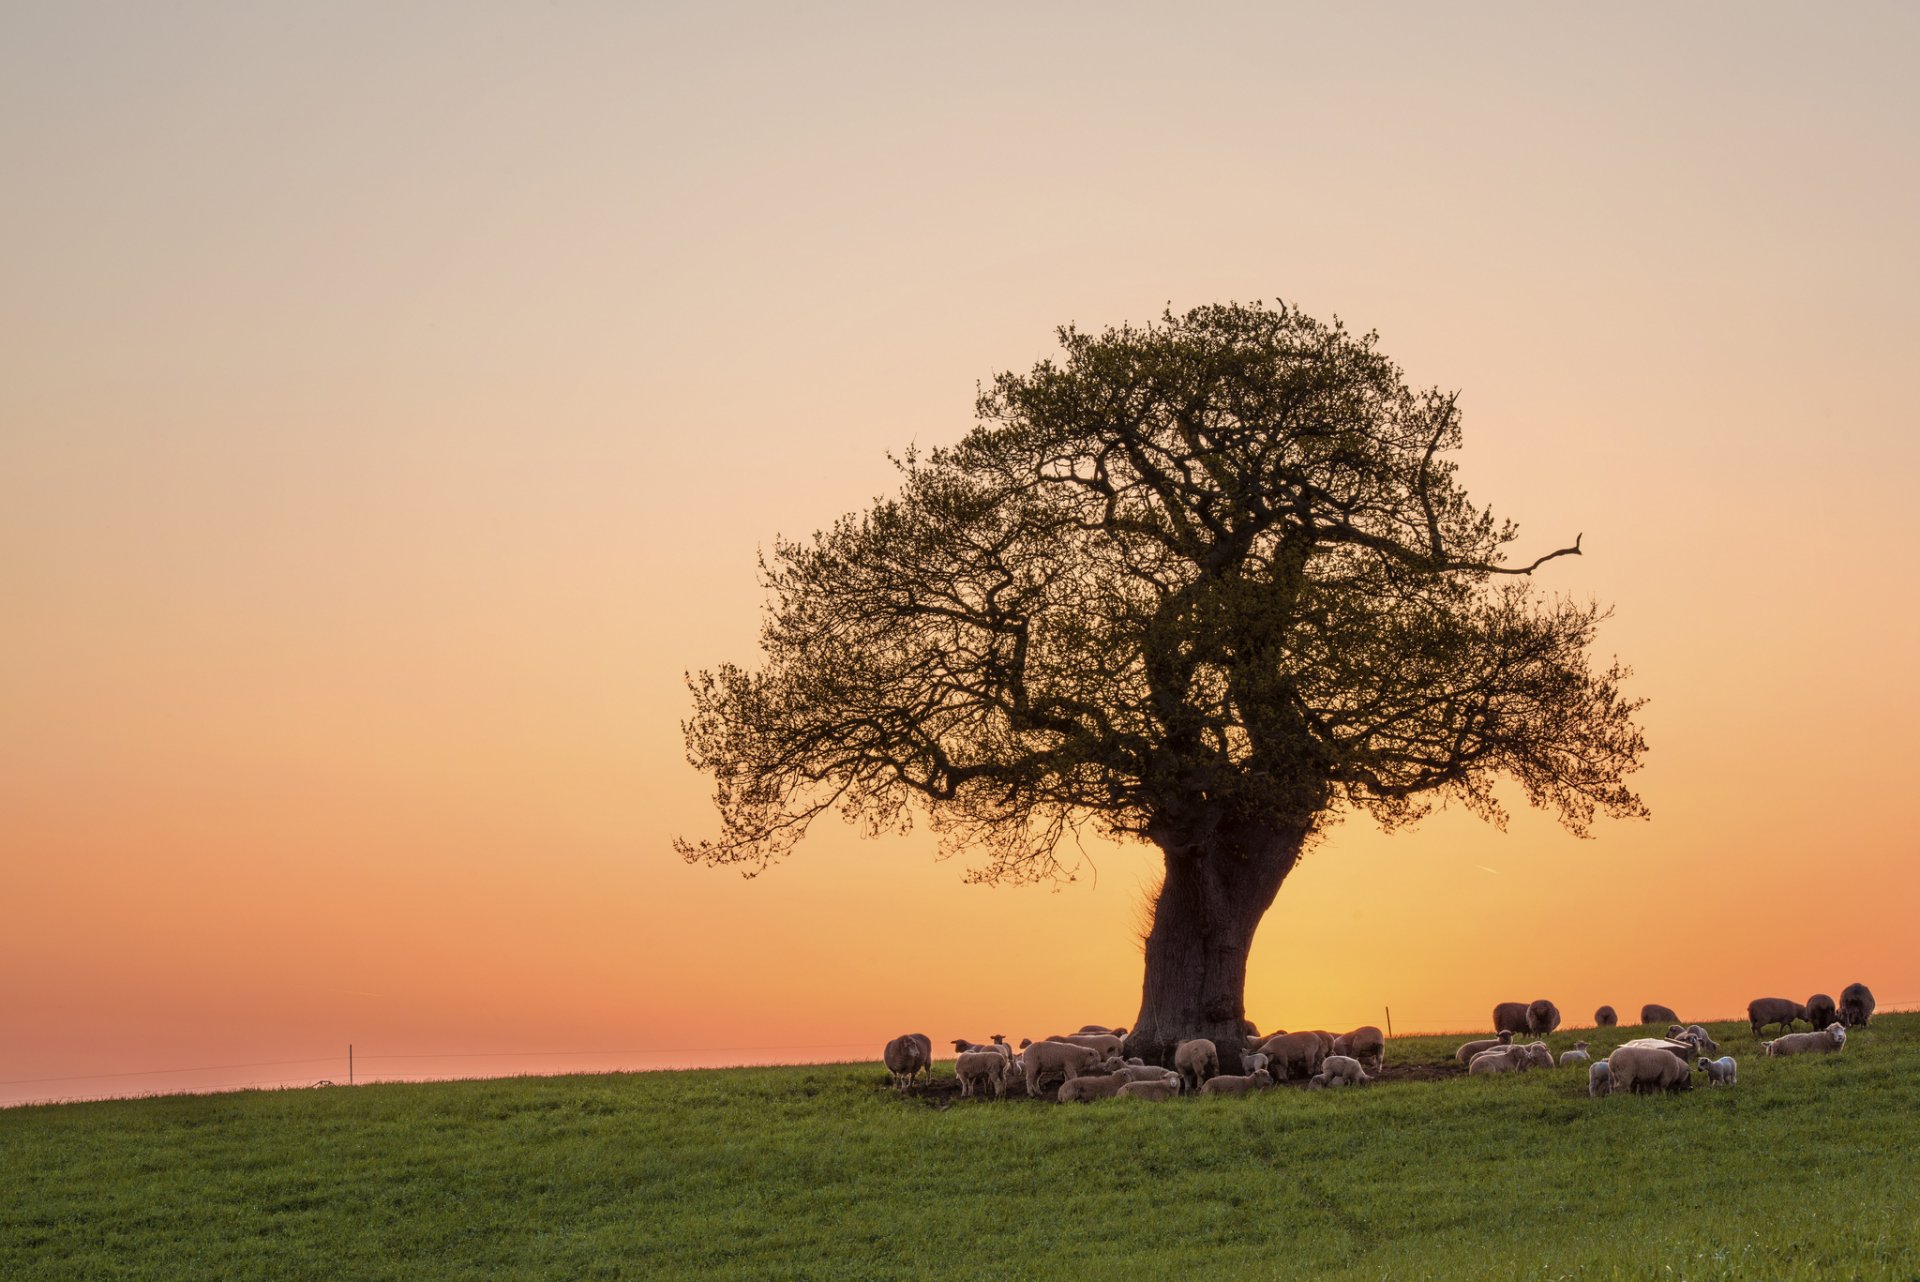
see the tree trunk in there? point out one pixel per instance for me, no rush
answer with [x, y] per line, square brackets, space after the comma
[1213, 897]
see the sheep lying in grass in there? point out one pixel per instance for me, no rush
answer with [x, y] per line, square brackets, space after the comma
[1500, 1059]
[1229, 1084]
[1196, 1059]
[1158, 1092]
[1827, 1040]
[1366, 1044]
[1091, 1087]
[1469, 1049]
[1346, 1068]
[907, 1056]
[1054, 1059]
[1722, 1071]
[1645, 1070]
[1701, 1039]
[974, 1067]
[1149, 1073]
[1578, 1055]
[1600, 1079]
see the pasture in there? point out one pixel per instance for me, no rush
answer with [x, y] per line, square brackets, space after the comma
[1807, 1169]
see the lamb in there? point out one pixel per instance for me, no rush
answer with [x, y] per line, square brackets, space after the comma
[1578, 1055]
[1253, 1061]
[1150, 1073]
[1228, 1084]
[975, 1067]
[1856, 1005]
[1722, 1071]
[1289, 1052]
[1366, 1044]
[1821, 1010]
[1501, 1059]
[1646, 1070]
[1600, 1079]
[1701, 1038]
[1469, 1049]
[1831, 1038]
[1542, 1017]
[1046, 1059]
[1656, 1014]
[1762, 1011]
[1158, 1091]
[1682, 1051]
[1605, 1017]
[1539, 1054]
[1346, 1068]
[1090, 1088]
[1197, 1059]
[1510, 1017]
[906, 1056]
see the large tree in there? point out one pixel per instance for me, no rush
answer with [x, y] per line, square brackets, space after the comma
[1209, 583]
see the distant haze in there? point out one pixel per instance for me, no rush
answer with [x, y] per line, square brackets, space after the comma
[392, 403]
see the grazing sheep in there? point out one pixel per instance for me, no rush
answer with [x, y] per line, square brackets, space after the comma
[1090, 1088]
[1701, 1038]
[1049, 1059]
[1542, 1017]
[1290, 1052]
[1722, 1071]
[1366, 1044]
[1578, 1055]
[1197, 1059]
[975, 1067]
[1856, 1005]
[1346, 1068]
[1831, 1038]
[1605, 1017]
[1821, 1011]
[1469, 1049]
[1157, 1091]
[906, 1056]
[1510, 1017]
[1655, 1014]
[1229, 1084]
[1600, 1079]
[1762, 1011]
[1647, 1070]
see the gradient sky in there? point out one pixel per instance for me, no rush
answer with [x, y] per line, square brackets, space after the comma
[393, 399]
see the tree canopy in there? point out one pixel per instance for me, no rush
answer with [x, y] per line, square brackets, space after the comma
[1210, 569]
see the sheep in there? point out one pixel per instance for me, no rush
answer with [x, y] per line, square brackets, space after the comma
[1091, 1087]
[1157, 1091]
[1721, 1072]
[1346, 1068]
[1542, 1017]
[1469, 1049]
[1105, 1043]
[1253, 1061]
[1045, 1059]
[974, 1067]
[1229, 1084]
[1605, 1017]
[1656, 1014]
[1578, 1055]
[1366, 1044]
[998, 1046]
[1762, 1011]
[1600, 1079]
[1701, 1038]
[1510, 1017]
[1831, 1038]
[1856, 1005]
[1821, 1011]
[1682, 1051]
[906, 1056]
[1290, 1051]
[1197, 1059]
[1645, 1070]
[1539, 1055]
[1501, 1059]
[1150, 1073]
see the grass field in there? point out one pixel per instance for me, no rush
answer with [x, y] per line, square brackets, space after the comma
[1807, 1169]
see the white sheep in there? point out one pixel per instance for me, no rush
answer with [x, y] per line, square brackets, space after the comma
[1578, 1055]
[1346, 1069]
[1253, 1061]
[1047, 1059]
[1197, 1059]
[1091, 1088]
[1721, 1072]
[975, 1067]
[1831, 1038]
[1229, 1084]
[1600, 1079]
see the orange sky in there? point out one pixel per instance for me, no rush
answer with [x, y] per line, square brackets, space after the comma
[391, 407]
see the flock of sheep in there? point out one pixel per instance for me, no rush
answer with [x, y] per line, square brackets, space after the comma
[1089, 1064]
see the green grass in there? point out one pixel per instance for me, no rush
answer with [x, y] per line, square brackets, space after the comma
[1807, 1169]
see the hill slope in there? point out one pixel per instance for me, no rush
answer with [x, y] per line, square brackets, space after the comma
[1806, 1169]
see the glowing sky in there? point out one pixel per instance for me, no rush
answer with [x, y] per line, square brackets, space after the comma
[393, 399]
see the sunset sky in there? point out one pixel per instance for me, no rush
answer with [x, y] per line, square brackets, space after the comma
[393, 399]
